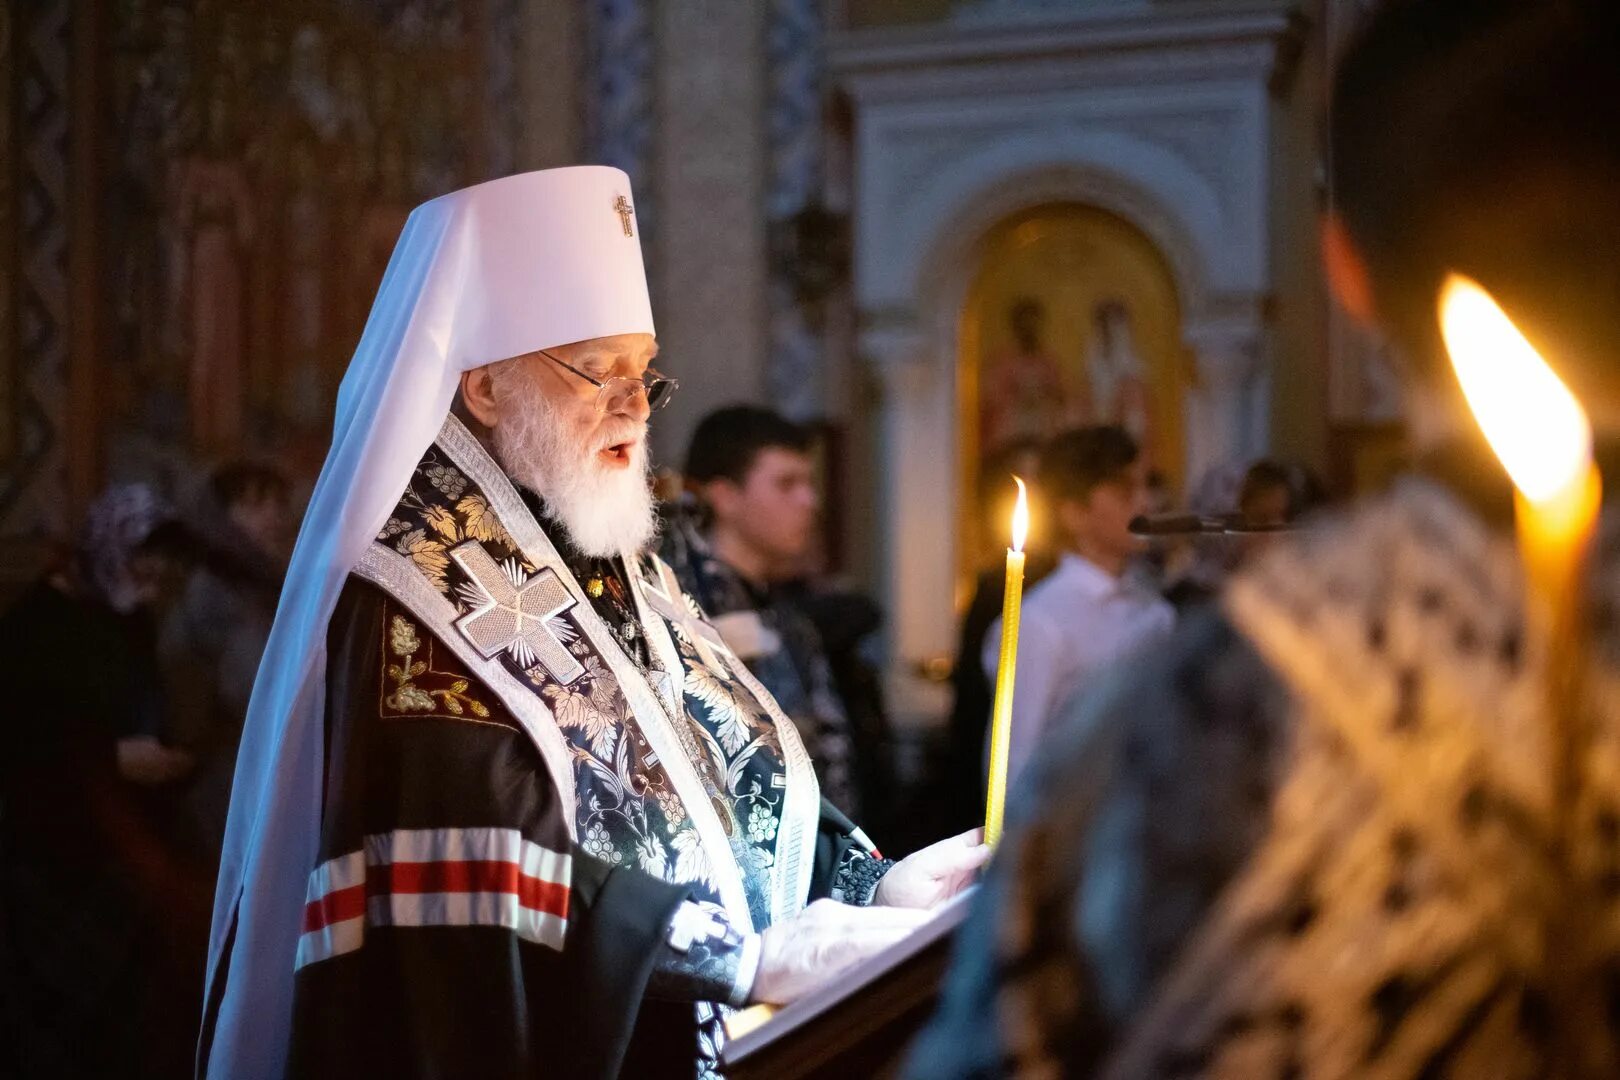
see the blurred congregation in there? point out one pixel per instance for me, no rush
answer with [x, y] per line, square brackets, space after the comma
[900, 251]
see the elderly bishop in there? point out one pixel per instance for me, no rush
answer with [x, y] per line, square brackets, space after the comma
[506, 805]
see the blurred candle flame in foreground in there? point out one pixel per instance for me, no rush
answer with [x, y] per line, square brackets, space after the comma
[1530, 418]
[1539, 430]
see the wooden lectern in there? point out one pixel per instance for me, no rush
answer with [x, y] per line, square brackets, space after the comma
[859, 1026]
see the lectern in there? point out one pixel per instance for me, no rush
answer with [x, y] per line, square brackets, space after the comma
[859, 1026]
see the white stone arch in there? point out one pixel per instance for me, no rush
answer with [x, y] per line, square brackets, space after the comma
[934, 239]
[947, 260]
[913, 342]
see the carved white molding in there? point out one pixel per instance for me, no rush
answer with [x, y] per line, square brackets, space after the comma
[1161, 115]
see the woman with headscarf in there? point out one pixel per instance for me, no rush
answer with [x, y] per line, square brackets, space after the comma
[93, 900]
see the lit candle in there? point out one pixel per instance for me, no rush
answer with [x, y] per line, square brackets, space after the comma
[1006, 669]
[1541, 434]
[1544, 440]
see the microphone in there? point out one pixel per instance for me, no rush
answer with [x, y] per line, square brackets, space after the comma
[1197, 524]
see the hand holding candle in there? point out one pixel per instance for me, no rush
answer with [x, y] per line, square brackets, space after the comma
[1006, 669]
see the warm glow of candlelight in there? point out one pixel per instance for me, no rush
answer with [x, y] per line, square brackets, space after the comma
[1020, 518]
[1530, 418]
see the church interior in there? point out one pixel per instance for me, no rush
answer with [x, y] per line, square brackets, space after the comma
[844, 204]
[934, 234]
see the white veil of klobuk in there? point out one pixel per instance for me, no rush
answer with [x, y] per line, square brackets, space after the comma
[479, 275]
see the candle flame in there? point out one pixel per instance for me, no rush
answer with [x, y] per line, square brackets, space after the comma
[1530, 418]
[1020, 518]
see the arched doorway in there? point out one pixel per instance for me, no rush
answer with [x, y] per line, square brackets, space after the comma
[1072, 317]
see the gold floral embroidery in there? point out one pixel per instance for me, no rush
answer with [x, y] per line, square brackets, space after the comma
[480, 523]
[428, 554]
[408, 697]
[443, 522]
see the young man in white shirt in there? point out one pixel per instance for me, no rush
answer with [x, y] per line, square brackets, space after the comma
[1088, 611]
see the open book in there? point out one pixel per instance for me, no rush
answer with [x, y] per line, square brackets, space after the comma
[858, 1025]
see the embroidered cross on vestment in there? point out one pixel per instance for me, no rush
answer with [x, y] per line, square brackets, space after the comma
[512, 613]
[665, 597]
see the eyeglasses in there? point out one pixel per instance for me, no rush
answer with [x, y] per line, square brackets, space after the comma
[612, 395]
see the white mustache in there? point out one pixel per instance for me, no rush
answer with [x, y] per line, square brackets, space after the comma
[635, 436]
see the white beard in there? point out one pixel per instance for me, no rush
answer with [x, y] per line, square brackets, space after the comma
[606, 511]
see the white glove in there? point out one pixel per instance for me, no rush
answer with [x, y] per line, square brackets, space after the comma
[928, 878]
[822, 941]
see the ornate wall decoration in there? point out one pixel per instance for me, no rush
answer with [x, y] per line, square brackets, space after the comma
[8, 246]
[255, 165]
[808, 242]
[36, 71]
[619, 99]
[502, 27]
[268, 158]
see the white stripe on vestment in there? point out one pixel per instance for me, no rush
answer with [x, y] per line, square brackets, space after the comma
[407, 846]
[331, 940]
[464, 845]
[343, 872]
[468, 909]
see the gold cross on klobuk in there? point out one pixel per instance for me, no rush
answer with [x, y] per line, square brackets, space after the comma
[665, 597]
[512, 612]
[622, 207]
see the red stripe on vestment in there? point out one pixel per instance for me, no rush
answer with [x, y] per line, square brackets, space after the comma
[469, 875]
[461, 876]
[335, 907]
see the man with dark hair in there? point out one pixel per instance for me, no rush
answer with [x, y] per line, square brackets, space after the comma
[1088, 612]
[1335, 827]
[729, 442]
[751, 472]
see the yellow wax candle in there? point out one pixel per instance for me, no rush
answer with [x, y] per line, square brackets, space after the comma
[1006, 670]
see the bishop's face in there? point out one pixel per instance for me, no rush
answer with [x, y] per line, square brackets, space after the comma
[579, 445]
[612, 422]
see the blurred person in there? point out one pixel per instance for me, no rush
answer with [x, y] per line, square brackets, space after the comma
[847, 623]
[754, 479]
[1335, 827]
[100, 912]
[1089, 611]
[1262, 496]
[1266, 499]
[213, 638]
[506, 804]
[1310, 494]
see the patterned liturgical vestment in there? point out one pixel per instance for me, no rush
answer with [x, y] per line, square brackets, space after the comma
[535, 785]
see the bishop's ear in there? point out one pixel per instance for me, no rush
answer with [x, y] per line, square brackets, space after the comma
[478, 395]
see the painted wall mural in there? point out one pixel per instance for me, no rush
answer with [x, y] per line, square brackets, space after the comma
[252, 167]
[1072, 319]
